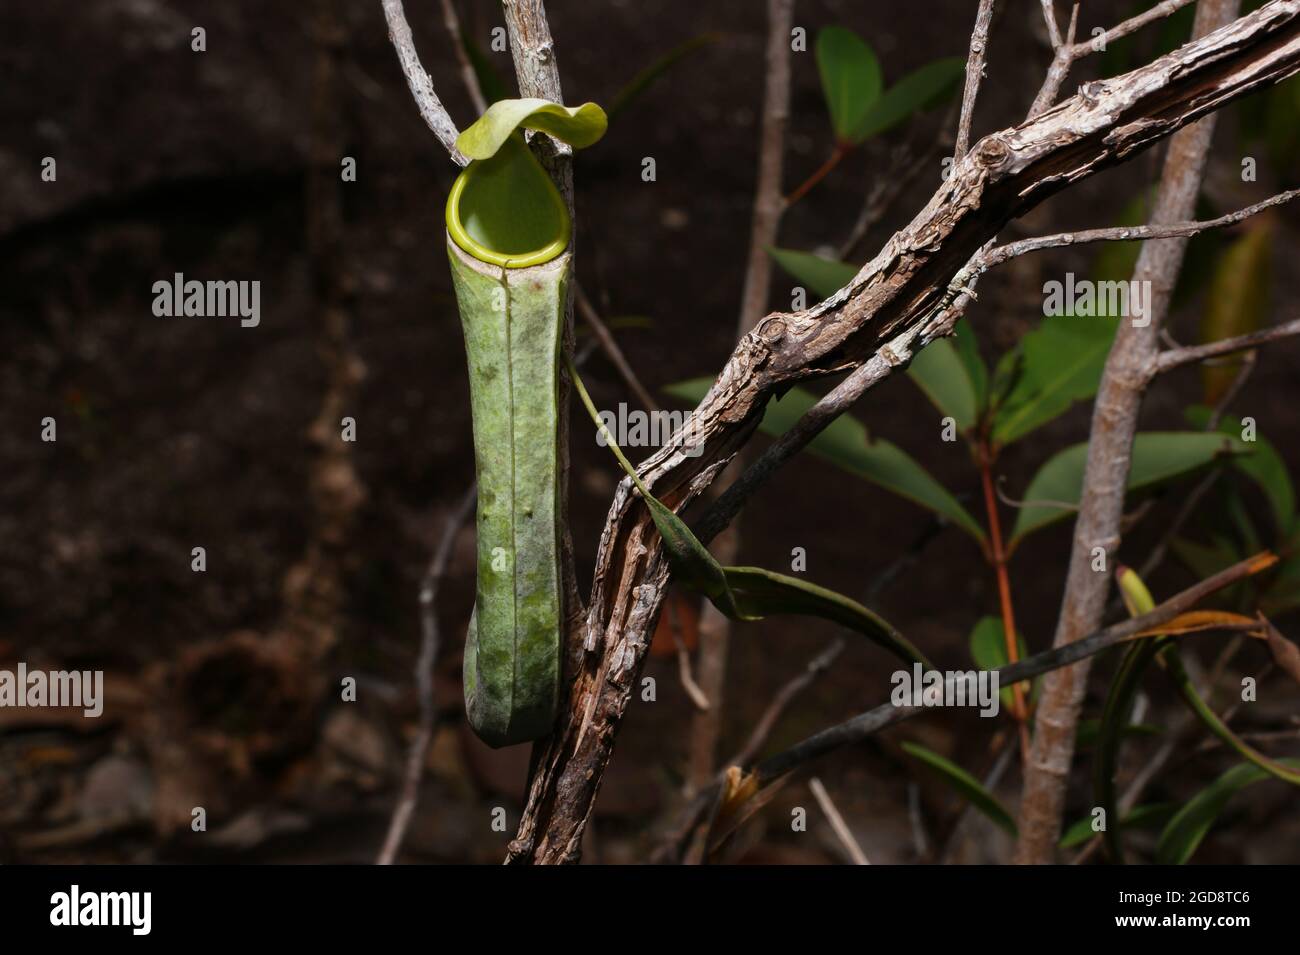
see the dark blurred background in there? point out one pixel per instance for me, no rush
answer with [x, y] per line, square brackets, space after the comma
[223, 686]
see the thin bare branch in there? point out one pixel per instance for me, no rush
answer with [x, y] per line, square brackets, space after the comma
[842, 831]
[538, 74]
[1178, 357]
[467, 74]
[768, 201]
[684, 674]
[609, 345]
[1000, 254]
[892, 355]
[1059, 68]
[1131, 25]
[1070, 52]
[431, 109]
[905, 164]
[769, 205]
[784, 697]
[979, 41]
[888, 714]
[1053, 29]
[424, 664]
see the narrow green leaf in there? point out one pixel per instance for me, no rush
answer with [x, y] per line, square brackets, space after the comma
[988, 648]
[1119, 704]
[968, 350]
[1142, 817]
[1007, 372]
[579, 126]
[489, 80]
[846, 444]
[1236, 304]
[762, 593]
[919, 90]
[1090, 730]
[1204, 560]
[939, 371]
[967, 785]
[1115, 718]
[851, 78]
[747, 593]
[646, 78]
[823, 276]
[1263, 465]
[1178, 674]
[1283, 132]
[1157, 456]
[1283, 595]
[1184, 832]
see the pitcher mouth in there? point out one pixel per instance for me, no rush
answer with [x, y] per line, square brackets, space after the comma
[505, 210]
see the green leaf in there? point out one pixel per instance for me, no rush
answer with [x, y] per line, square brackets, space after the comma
[646, 78]
[1157, 456]
[1283, 595]
[1202, 710]
[939, 371]
[1283, 132]
[851, 79]
[1204, 560]
[823, 276]
[1263, 465]
[846, 444]
[1090, 730]
[1062, 363]
[917, 91]
[489, 80]
[1184, 832]
[1007, 372]
[747, 593]
[579, 126]
[1142, 817]
[1236, 304]
[762, 593]
[968, 350]
[965, 784]
[988, 648]
[1118, 708]
[1079, 832]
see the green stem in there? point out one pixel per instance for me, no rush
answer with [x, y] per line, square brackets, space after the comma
[600, 426]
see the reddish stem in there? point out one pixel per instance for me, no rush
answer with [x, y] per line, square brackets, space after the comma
[999, 560]
[842, 149]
